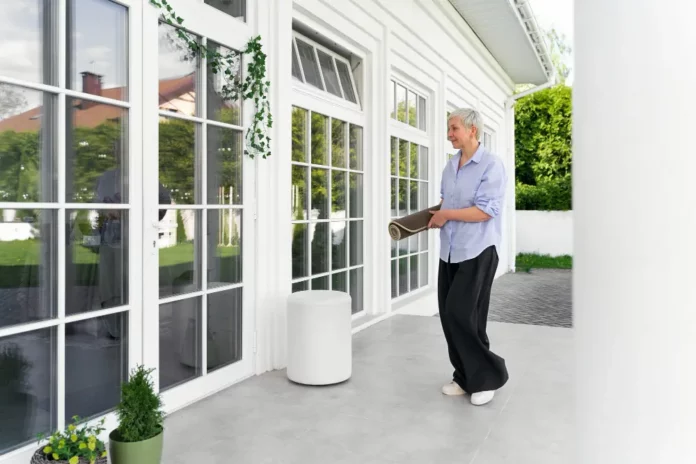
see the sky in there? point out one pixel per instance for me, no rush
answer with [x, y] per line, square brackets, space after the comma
[557, 14]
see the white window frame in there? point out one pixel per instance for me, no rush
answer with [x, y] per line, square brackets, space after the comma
[134, 307]
[397, 81]
[323, 94]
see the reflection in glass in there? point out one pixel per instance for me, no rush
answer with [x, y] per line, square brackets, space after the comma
[97, 164]
[339, 282]
[346, 81]
[413, 161]
[28, 260]
[224, 328]
[178, 163]
[220, 109]
[356, 148]
[403, 158]
[298, 195]
[96, 363]
[356, 243]
[224, 166]
[29, 32]
[356, 289]
[421, 113]
[300, 253]
[329, 72]
[300, 286]
[356, 195]
[423, 169]
[224, 247]
[403, 276]
[394, 155]
[309, 64]
[234, 8]
[178, 70]
[414, 272]
[96, 265]
[412, 111]
[179, 252]
[339, 243]
[320, 139]
[401, 103]
[320, 198]
[97, 44]
[27, 387]
[320, 283]
[394, 278]
[179, 342]
[299, 135]
[338, 195]
[27, 145]
[320, 247]
[338, 143]
[423, 266]
[403, 197]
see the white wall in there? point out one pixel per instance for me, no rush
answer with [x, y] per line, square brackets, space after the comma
[545, 232]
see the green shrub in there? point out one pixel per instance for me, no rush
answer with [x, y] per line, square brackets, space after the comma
[139, 412]
[547, 195]
[77, 444]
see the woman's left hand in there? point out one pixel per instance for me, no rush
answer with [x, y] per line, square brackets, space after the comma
[438, 220]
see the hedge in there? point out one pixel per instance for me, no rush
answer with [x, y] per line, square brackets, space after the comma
[547, 195]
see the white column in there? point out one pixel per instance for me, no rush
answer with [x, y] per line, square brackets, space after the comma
[635, 231]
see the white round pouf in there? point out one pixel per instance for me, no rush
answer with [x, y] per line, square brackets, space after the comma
[319, 336]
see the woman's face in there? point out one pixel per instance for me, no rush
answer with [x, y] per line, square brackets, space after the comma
[459, 135]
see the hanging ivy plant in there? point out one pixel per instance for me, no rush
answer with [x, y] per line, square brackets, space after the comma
[253, 87]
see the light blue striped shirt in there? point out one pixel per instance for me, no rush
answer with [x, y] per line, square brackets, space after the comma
[480, 182]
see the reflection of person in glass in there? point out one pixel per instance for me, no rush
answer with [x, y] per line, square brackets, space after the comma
[112, 254]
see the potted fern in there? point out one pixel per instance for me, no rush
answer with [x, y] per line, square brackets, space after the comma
[139, 436]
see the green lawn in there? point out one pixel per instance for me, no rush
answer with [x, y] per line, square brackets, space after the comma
[527, 261]
[26, 253]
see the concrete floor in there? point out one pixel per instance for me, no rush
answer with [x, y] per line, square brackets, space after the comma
[391, 410]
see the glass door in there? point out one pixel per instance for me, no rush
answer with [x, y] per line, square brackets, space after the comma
[198, 193]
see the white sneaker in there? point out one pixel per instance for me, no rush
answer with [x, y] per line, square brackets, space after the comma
[453, 389]
[481, 398]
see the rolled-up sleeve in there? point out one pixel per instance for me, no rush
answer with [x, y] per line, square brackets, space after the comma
[491, 192]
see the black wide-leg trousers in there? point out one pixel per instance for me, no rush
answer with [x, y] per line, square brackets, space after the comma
[464, 291]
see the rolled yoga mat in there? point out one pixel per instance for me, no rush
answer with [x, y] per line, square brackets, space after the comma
[412, 224]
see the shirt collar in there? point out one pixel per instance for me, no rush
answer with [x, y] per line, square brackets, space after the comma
[478, 154]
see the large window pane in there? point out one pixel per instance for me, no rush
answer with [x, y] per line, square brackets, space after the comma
[300, 252]
[225, 166]
[299, 135]
[97, 152]
[394, 278]
[423, 267]
[96, 364]
[346, 81]
[178, 162]
[394, 156]
[356, 195]
[412, 111]
[320, 283]
[413, 161]
[320, 197]
[179, 252]
[401, 103]
[300, 286]
[356, 289]
[28, 169]
[296, 70]
[96, 265]
[179, 342]
[403, 276]
[27, 387]
[320, 139]
[224, 247]
[356, 243]
[28, 260]
[309, 64]
[422, 112]
[224, 328]
[97, 48]
[414, 272]
[178, 73]
[338, 195]
[403, 158]
[329, 72]
[320, 247]
[339, 243]
[234, 8]
[356, 148]
[219, 108]
[298, 196]
[423, 164]
[339, 282]
[338, 143]
[28, 29]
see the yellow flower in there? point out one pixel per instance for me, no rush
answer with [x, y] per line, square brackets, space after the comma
[92, 439]
[48, 450]
[83, 445]
[74, 460]
[55, 456]
[92, 461]
[103, 454]
[71, 427]
[61, 444]
[91, 446]
[73, 438]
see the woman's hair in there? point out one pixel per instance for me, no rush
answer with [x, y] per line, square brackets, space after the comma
[469, 118]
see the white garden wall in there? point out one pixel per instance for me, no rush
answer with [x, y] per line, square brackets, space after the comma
[545, 232]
